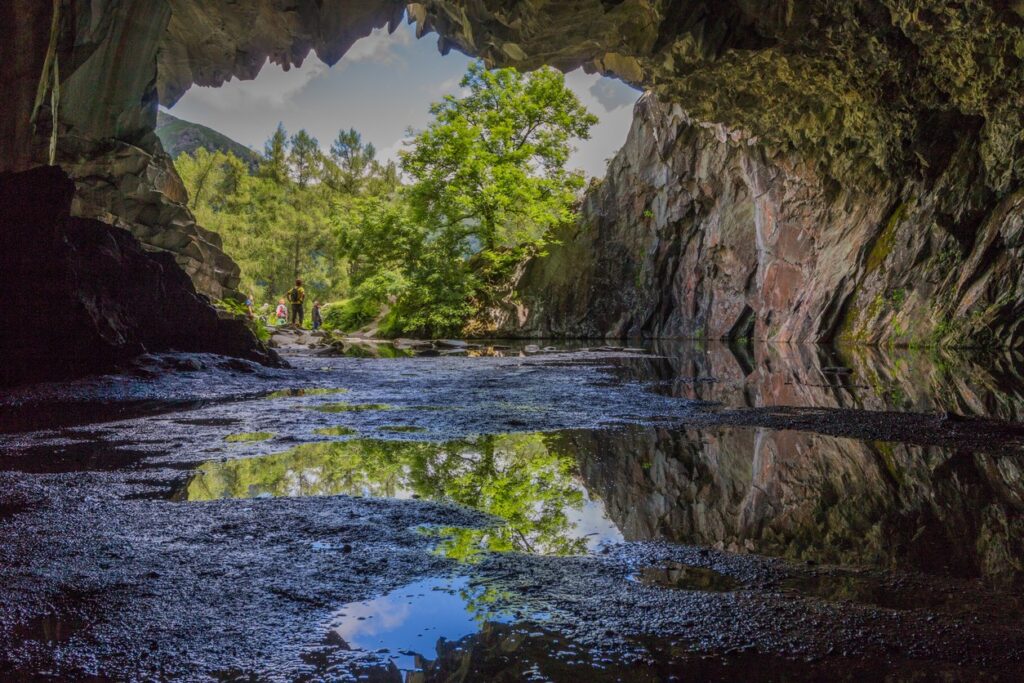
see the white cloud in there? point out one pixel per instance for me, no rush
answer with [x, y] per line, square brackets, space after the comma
[274, 87]
[612, 94]
[379, 47]
[449, 86]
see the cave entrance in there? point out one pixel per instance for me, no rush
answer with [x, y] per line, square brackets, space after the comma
[301, 174]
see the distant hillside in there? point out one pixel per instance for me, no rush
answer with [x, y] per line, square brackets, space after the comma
[178, 135]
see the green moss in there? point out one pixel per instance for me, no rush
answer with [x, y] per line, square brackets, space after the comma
[349, 407]
[883, 245]
[897, 297]
[247, 437]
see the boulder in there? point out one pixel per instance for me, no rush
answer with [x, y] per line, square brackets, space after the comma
[81, 296]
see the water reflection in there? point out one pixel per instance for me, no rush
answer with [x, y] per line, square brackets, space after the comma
[797, 495]
[685, 577]
[409, 622]
[519, 478]
[803, 375]
[810, 497]
[527, 651]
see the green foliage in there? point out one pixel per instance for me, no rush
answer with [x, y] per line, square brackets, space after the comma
[492, 163]
[522, 479]
[277, 223]
[239, 310]
[366, 302]
[489, 184]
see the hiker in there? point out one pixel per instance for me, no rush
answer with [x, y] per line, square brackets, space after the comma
[249, 310]
[296, 297]
[281, 313]
[317, 320]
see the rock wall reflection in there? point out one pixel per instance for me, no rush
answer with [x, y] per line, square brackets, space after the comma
[804, 375]
[809, 497]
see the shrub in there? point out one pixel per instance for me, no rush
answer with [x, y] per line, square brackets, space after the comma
[239, 310]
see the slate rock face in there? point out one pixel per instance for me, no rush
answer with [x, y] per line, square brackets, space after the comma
[698, 231]
[80, 295]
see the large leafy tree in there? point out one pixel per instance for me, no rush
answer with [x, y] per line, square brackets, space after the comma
[492, 164]
[489, 183]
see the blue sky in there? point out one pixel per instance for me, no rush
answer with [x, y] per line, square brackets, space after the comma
[383, 85]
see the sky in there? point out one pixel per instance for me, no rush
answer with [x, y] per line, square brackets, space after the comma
[383, 85]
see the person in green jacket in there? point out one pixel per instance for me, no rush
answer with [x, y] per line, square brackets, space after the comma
[296, 297]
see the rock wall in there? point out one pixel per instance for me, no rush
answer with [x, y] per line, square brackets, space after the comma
[95, 298]
[699, 231]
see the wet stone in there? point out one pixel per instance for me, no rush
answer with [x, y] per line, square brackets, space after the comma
[304, 391]
[685, 577]
[349, 407]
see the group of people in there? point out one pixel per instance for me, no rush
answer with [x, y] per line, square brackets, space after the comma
[291, 309]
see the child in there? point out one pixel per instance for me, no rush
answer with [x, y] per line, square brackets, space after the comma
[282, 312]
[317, 320]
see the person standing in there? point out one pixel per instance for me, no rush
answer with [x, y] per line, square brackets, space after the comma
[296, 297]
[317, 319]
[281, 313]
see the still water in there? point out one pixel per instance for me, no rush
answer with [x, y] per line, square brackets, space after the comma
[576, 459]
[798, 495]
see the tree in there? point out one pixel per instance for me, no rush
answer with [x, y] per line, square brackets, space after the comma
[492, 163]
[489, 184]
[200, 173]
[355, 161]
[304, 158]
[274, 165]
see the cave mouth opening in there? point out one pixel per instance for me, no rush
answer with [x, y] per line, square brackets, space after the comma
[300, 173]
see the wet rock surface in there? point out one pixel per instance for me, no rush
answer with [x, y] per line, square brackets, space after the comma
[157, 545]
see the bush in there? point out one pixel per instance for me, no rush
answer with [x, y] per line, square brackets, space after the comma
[366, 304]
[239, 310]
[348, 315]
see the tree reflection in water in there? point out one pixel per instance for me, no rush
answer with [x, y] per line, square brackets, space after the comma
[519, 478]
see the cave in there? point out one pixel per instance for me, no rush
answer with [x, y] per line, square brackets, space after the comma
[801, 202]
[771, 369]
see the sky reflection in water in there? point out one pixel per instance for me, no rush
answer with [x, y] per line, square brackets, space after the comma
[406, 624]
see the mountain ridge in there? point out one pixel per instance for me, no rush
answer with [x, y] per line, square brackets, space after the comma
[178, 136]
